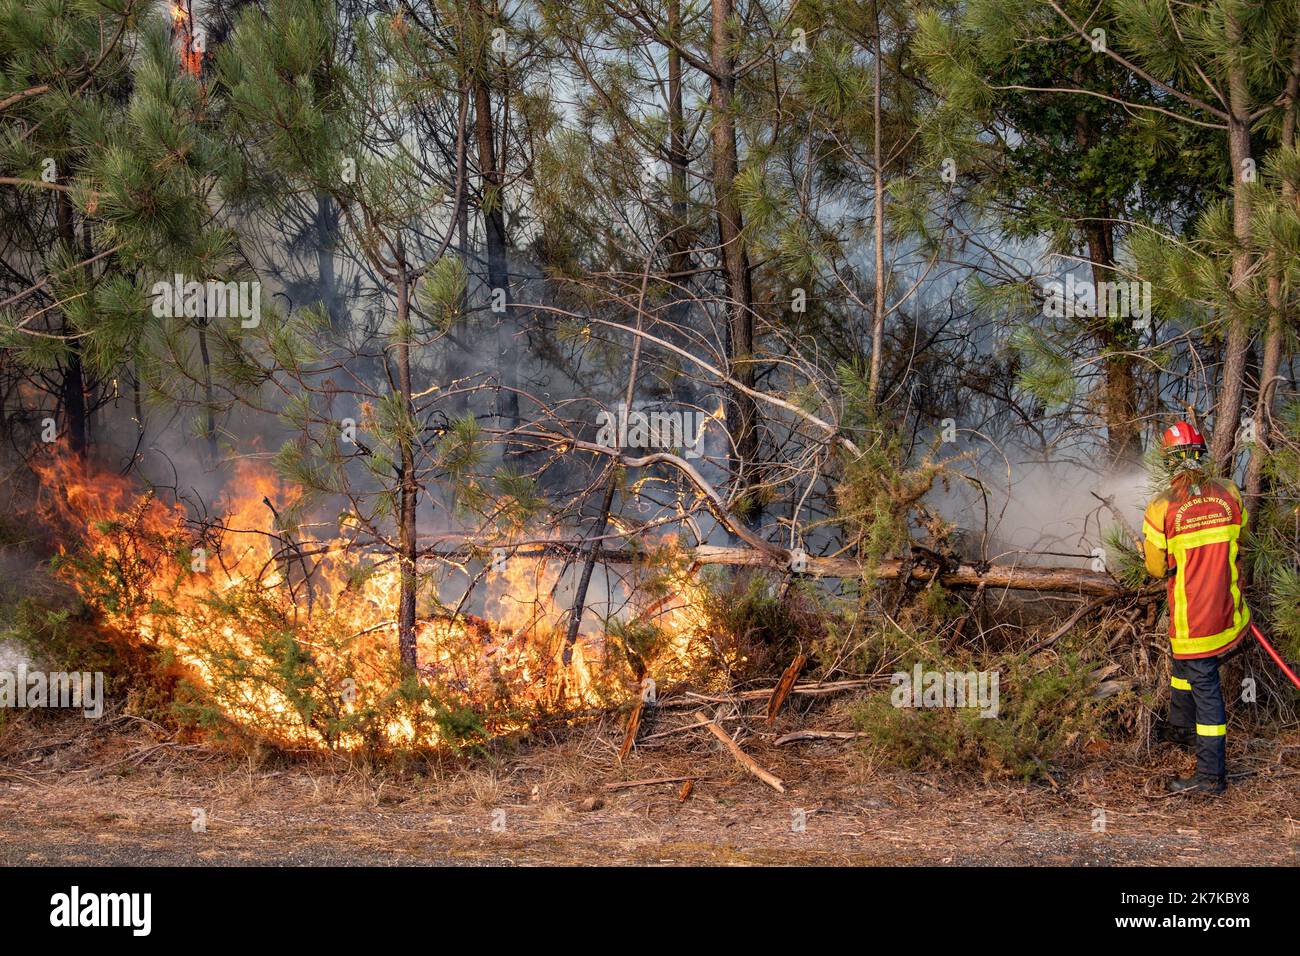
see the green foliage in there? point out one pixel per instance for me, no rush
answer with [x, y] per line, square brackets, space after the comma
[755, 627]
[59, 632]
[133, 144]
[442, 291]
[1042, 713]
[880, 490]
[634, 643]
[268, 673]
[1285, 594]
[519, 500]
[1045, 372]
[1124, 561]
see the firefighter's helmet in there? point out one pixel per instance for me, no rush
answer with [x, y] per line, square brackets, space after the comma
[1183, 442]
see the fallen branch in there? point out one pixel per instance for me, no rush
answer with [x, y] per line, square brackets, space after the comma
[1013, 577]
[1072, 620]
[628, 784]
[818, 735]
[633, 725]
[742, 758]
[817, 689]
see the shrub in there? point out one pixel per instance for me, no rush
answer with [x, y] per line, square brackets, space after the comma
[1043, 711]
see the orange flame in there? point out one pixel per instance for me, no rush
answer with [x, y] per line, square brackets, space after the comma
[294, 633]
[183, 26]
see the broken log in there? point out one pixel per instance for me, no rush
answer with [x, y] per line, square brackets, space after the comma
[1014, 577]
[784, 685]
[816, 689]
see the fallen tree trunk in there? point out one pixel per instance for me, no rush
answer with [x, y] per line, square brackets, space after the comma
[1014, 577]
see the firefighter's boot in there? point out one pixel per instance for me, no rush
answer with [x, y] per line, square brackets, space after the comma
[1212, 786]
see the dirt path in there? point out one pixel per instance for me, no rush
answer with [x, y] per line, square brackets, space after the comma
[550, 806]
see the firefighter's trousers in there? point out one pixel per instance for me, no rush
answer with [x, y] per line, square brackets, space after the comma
[1196, 703]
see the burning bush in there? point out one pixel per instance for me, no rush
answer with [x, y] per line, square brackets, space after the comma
[292, 639]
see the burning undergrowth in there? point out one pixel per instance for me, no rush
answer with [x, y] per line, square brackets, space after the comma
[288, 635]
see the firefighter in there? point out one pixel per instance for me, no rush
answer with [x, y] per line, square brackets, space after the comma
[1193, 530]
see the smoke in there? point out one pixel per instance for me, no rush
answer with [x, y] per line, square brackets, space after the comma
[12, 657]
[1048, 513]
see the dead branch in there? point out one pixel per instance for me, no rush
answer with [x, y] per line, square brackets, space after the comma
[818, 735]
[784, 685]
[1013, 577]
[742, 758]
[628, 784]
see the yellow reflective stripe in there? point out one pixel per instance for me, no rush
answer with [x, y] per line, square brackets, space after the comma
[1155, 535]
[1179, 683]
[1204, 645]
[1211, 730]
[1240, 613]
[1180, 606]
[1179, 543]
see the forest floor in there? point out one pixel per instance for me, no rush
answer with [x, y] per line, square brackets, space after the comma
[122, 795]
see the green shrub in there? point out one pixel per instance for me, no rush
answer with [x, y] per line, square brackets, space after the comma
[1042, 712]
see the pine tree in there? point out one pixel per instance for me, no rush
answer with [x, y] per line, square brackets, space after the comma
[1043, 147]
[107, 134]
[315, 111]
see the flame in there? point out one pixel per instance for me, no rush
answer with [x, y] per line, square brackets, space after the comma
[183, 27]
[293, 633]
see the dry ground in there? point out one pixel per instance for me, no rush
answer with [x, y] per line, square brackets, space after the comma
[116, 795]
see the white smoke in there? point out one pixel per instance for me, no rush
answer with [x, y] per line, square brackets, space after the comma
[1049, 513]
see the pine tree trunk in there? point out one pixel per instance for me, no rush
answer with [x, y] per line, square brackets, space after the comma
[1124, 449]
[407, 499]
[74, 397]
[742, 413]
[1276, 320]
[878, 176]
[679, 243]
[209, 414]
[1123, 444]
[73, 392]
[494, 228]
[326, 234]
[1227, 413]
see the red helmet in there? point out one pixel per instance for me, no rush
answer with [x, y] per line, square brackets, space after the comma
[1183, 438]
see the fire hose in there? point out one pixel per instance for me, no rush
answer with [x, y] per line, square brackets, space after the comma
[1277, 658]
